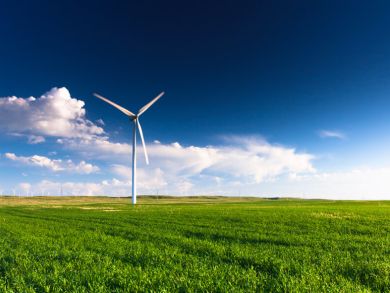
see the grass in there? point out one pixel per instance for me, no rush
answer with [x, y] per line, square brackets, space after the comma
[99, 244]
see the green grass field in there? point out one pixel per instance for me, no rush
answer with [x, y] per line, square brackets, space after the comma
[92, 244]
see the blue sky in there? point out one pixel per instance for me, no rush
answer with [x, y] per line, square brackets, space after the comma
[294, 94]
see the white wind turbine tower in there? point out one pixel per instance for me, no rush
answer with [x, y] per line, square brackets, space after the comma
[135, 119]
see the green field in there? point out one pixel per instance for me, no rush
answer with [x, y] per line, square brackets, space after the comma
[98, 244]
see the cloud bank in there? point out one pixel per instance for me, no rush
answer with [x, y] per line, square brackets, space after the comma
[250, 161]
[361, 184]
[55, 113]
[53, 165]
[237, 166]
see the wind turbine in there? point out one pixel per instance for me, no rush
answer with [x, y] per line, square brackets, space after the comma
[136, 125]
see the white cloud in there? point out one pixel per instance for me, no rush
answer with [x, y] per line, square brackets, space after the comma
[147, 179]
[35, 139]
[100, 122]
[47, 187]
[54, 165]
[332, 134]
[97, 147]
[249, 159]
[82, 167]
[113, 187]
[55, 113]
[364, 184]
[31, 139]
[361, 183]
[178, 169]
[25, 188]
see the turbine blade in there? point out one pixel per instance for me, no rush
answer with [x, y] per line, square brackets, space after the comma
[143, 142]
[120, 108]
[147, 106]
